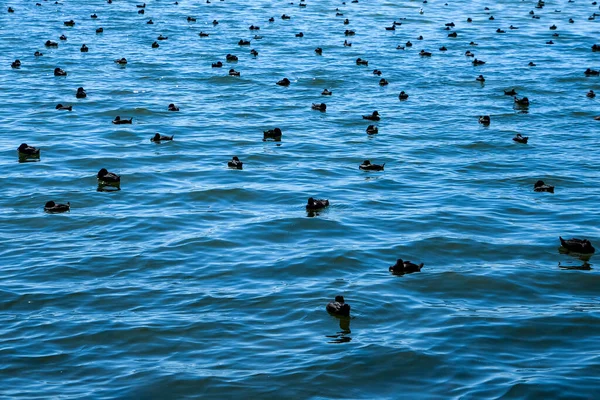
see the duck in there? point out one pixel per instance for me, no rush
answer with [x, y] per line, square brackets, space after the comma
[531, 64]
[284, 82]
[349, 32]
[218, 64]
[400, 47]
[233, 72]
[408, 44]
[172, 107]
[27, 150]
[390, 28]
[38, 54]
[243, 42]
[155, 45]
[510, 92]
[577, 245]
[271, 19]
[591, 72]
[367, 166]
[203, 34]
[119, 121]
[473, 44]
[285, 16]
[469, 19]
[191, 19]
[360, 61]
[596, 47]
[450, 24]
[215, 22]
[231, 57]
[319, 51]
[484, 119]
[16, 64]
[235, 163]
[377, 72]
[141, 12]
[59, 72]
[420, 38]
[424, 53]
[522, 102]
[326, 92]
[468, 53]
[63, 37]
[553, 27]
[571, 21]
[347, 43]
[121, 61]
[100, 30]
[443, 48]
[314, 204]
[81, 94]
[65, 108]
[272, 134]
[383, 82]
[591, 94]
[257, 37]
[338, 307]
[491, 18]
[141, 5]
[52, 207]
[105, 177]
[157, 138]
[405, 267]
[69, 23]
[50, 43]
[150, 22]
[372, 129]
[453, 34]
[512, 27]
[254, 52]
[521, 139]
[549, 42]
[346, 21]
[402, 95]
[540, 186]
[84, 48]
[300, 34]
[480, 78]
[373, 117]
[319, 107]
[478, 62]
[254, 28]
[161, 37]
[11, 10]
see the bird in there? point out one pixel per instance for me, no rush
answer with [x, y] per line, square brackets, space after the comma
[484, 119]
[119, 121]
[338, 307]
[402, 95]
[105, 177]
[326, 92]
[314, 204]
[405, 267]
[25, 149]
[284, 82]
[173, 107]
[367, 166]
[274, 134]
[372, 129]
[59, 72]
[521, 139]
[81, 94]
[59, 106]
[540, 186]
[510, 92]
[319, 107]
[577, 245]
[373, 117]
[157, 138]
[52, 207]
[235, 163]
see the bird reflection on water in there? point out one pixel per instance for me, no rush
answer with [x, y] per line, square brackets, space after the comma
[344, 335]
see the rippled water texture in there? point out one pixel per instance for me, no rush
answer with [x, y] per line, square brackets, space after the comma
[195, 280]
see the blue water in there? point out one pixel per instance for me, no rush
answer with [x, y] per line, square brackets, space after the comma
[195, 280]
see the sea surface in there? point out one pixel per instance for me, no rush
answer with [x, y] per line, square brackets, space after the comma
[198, 281]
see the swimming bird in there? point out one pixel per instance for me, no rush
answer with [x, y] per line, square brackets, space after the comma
[468, 53]
[424, 53]
[314, 204]
[173, 107]
[522, 102]
[383, 82]
[367, 166]
[50, 43]
[52, 207]
[484, 119]
[59, 72]
[218, 64]
[347, 43]
[84, 48]
[319, 107]
[155, 45]
[510, 92]
[300, 34]
[243, 42]
[408, 44]
[521, 139]
[453, 34]
[231, 57]
[402, 95]
[531, 64]
[119, 121]
[577, 245]
[27, 150]
[16, 64]
[372, 129]
[274, 134]
[254, 52]
[37, 54]
[121, 61]
[254, 28]
[100, 30]
[319, 51]
[161, 37]
[233, 72]
[203, 34]
[69, 23]
[284, 82]
[591, 72]
[540, 186]
[150, 22]
[61, 107]
[326, 92]
[338, 307]
[591, 94]
[349, 32]
[107, 178]
[377, 72]
[235, 163]
[360, 61]
[63, 37]
[443, 48]
[285, 16]
[500, 31]
[373, 117]
[478, 62]
[480, 78]
[81, 94]
[390, 28]
[405, 267]
[158, 138]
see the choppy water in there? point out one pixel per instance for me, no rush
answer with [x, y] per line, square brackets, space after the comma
[196, 280]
